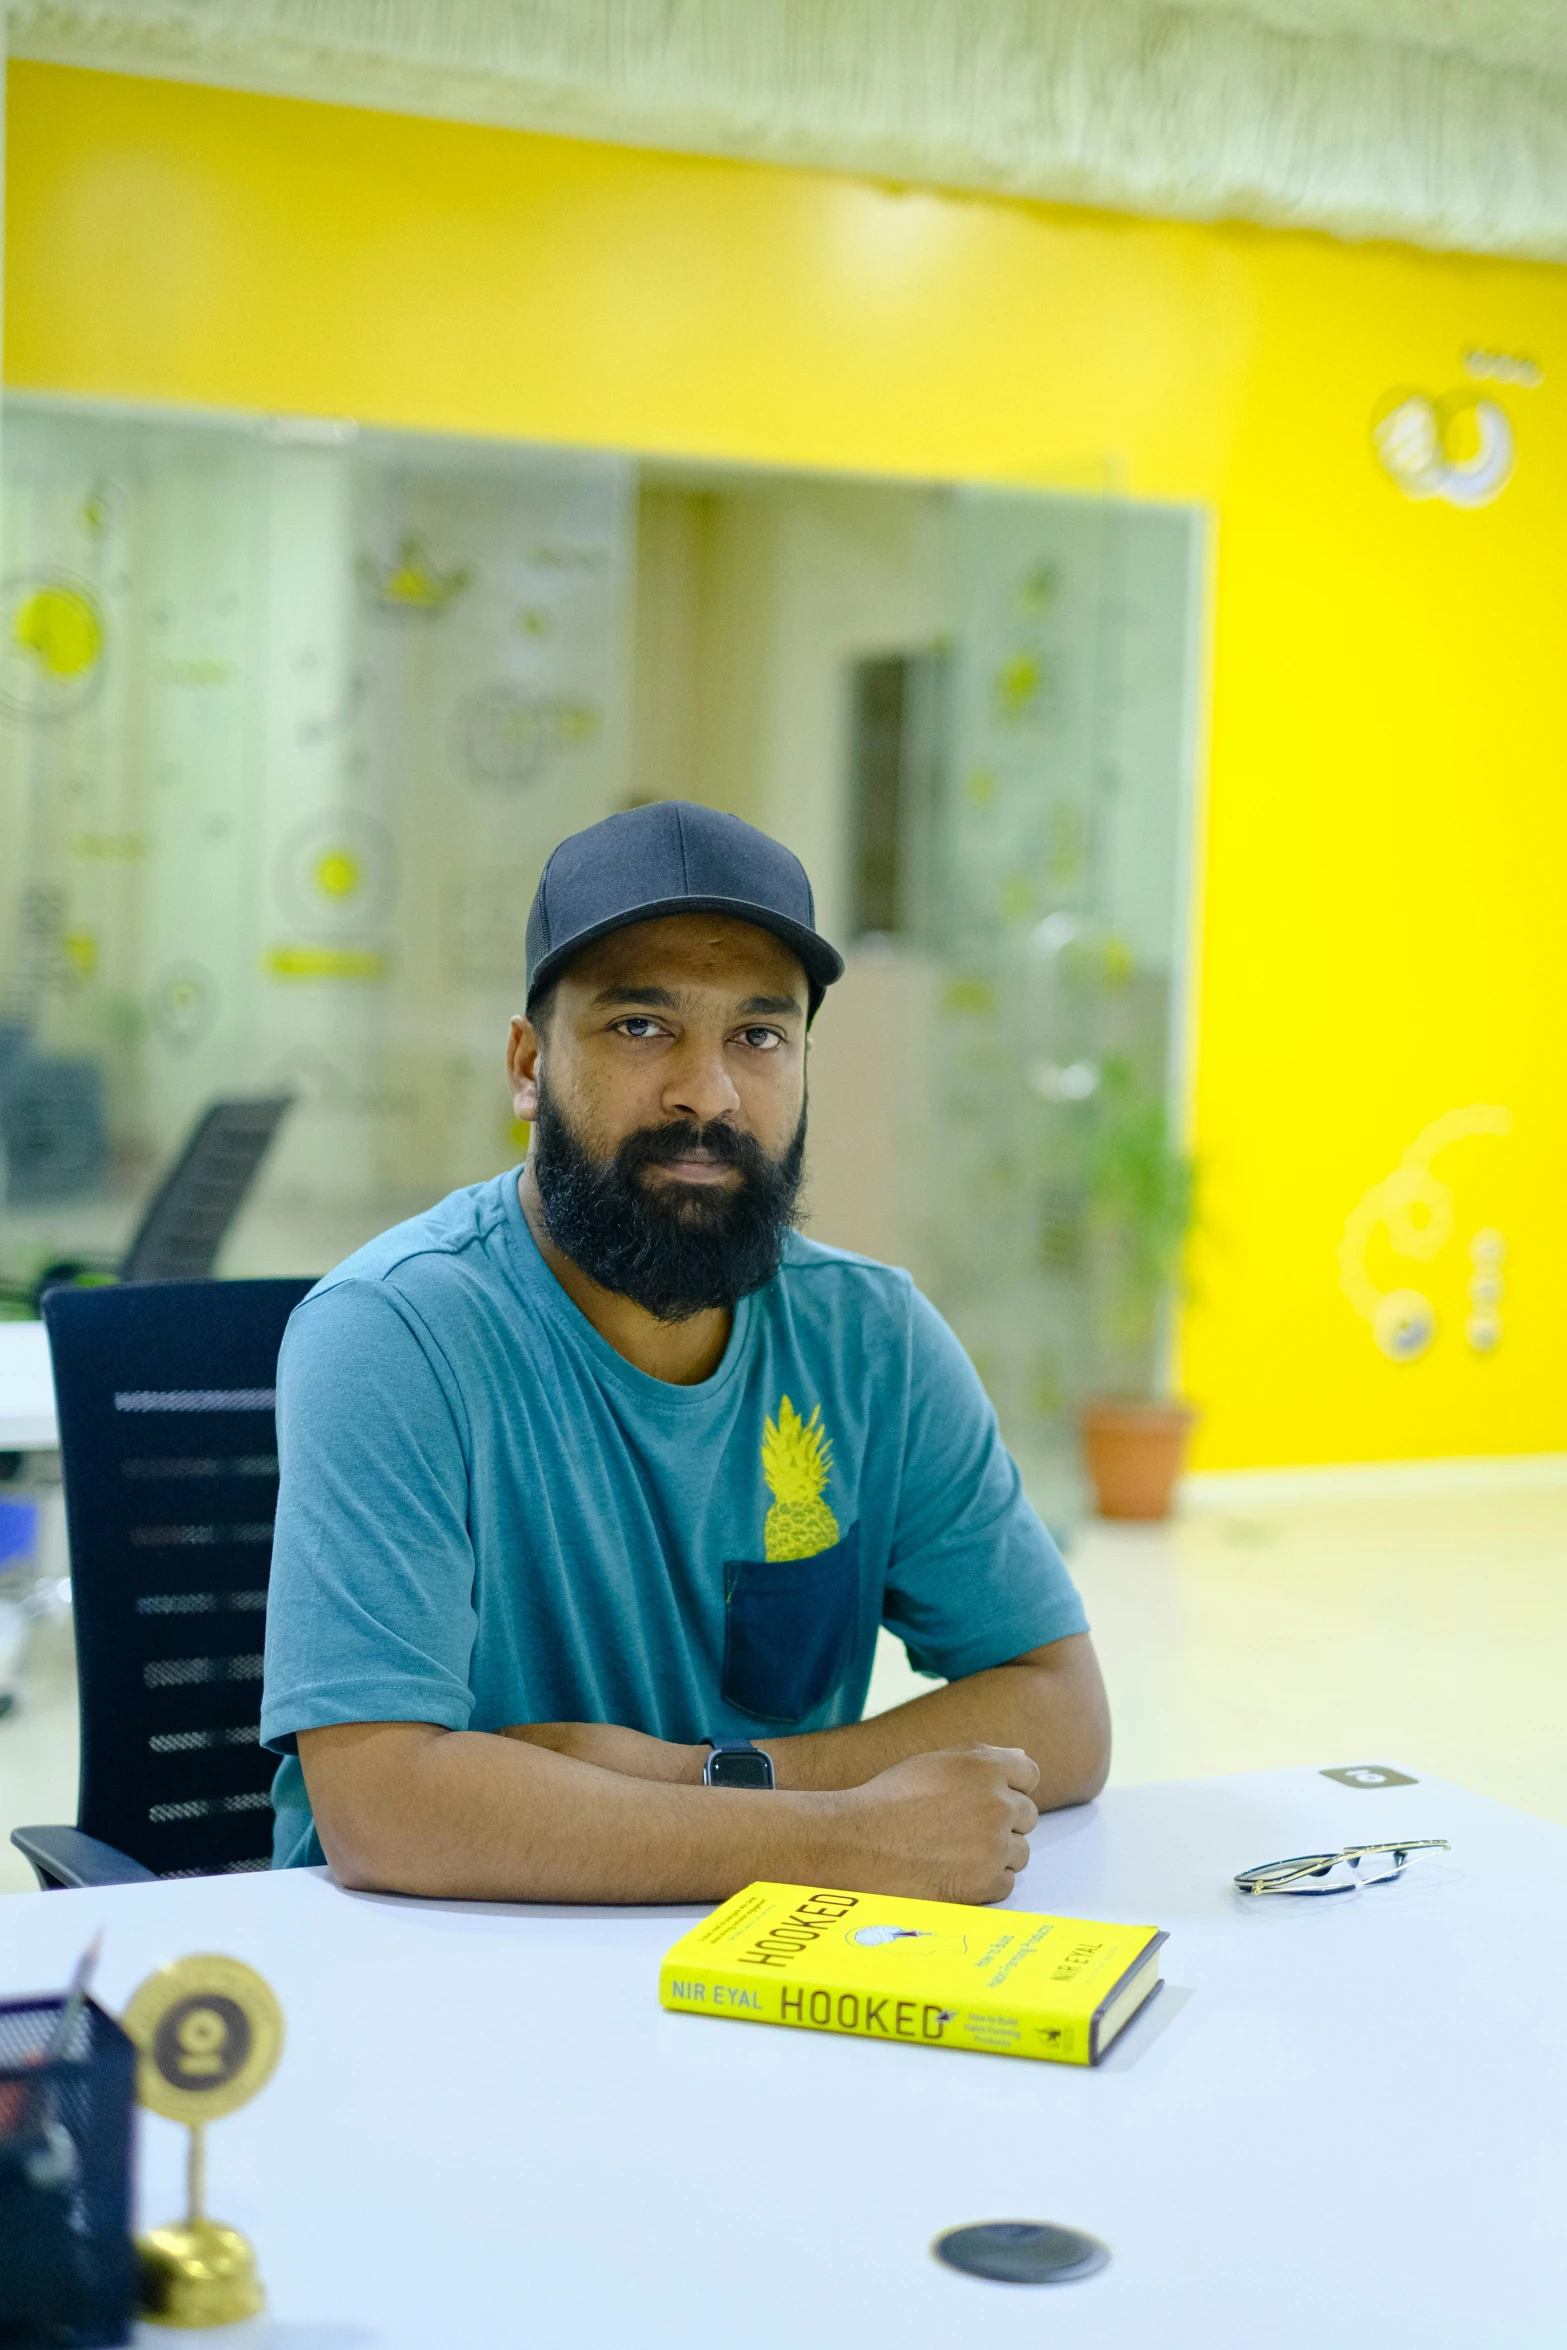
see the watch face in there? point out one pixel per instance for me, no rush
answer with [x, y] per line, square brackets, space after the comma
[740, 1770]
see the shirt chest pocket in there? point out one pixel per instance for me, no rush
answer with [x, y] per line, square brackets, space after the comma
[789, 1630]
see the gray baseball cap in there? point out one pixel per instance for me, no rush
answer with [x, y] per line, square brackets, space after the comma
[672, 858]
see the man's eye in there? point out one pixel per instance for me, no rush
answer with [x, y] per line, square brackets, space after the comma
[762, 1040]
[638, 1027]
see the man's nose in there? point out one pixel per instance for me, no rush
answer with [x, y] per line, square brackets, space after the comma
[697, 1083]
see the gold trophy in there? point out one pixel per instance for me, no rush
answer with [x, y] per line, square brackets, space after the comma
[208, 2033]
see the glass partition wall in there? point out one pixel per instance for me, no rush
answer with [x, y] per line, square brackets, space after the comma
[290, 717]
[286, 731]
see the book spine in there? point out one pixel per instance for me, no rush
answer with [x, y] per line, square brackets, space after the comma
[874, 2015]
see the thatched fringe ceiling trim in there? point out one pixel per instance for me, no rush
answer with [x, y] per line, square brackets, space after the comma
[1195, 112]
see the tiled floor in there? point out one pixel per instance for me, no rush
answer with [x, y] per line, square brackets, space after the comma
[1273, 1623]
[1427, 1627]
[38, 1746]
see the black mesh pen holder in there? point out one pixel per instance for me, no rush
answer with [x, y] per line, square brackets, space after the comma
[67, 2265]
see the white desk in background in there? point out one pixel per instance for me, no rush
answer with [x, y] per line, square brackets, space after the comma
[27, 1419]
[1341, 2123]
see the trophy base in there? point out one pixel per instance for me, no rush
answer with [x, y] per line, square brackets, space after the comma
[197, 2273]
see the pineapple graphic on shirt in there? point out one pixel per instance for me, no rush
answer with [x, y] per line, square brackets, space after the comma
[796, 1459]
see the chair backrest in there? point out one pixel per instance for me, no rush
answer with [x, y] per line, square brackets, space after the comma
[191, 1210]
[168, 1444]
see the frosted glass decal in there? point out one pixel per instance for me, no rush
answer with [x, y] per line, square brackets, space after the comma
[286, 732]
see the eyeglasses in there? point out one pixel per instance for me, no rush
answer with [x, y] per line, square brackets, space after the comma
[1337, 1872]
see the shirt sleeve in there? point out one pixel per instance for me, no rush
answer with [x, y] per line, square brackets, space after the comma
[974, 1578]
[370, 1613]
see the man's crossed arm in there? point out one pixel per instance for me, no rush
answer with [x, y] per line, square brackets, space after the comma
[936, 1798]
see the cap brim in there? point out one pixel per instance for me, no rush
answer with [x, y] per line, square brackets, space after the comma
[822, 963]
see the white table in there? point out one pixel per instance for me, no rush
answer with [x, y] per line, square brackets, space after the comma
[27, 1419]
[1340, 2124]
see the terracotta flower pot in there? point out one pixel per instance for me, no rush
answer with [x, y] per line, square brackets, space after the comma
[1134, 1453]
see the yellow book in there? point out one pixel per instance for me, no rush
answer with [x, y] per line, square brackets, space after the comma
[935, 1972]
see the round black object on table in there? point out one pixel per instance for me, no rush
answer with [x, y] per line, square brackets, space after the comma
[1022, 2252]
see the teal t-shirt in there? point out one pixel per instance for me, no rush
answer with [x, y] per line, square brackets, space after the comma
[488, 1516]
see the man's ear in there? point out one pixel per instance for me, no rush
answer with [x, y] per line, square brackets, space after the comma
[524, 1066]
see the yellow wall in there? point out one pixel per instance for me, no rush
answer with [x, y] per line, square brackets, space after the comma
[1387, 824]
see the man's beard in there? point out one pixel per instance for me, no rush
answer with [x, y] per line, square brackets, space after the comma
[675, 1249]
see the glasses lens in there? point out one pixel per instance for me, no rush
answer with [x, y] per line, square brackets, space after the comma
[1375, 1868]
[1308, 1874]
[1334, 1876]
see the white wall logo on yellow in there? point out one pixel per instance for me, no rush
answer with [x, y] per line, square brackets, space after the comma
[1458, 448]
[1416, 1208]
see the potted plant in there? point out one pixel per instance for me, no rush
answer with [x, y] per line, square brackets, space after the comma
[1139, 1195]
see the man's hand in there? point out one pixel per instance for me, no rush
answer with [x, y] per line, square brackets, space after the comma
[952, 1826]
[909, 1802]
[948, 1826]
[408, 1807]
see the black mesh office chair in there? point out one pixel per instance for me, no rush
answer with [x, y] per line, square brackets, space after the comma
[168, 1444]
[187, 1219]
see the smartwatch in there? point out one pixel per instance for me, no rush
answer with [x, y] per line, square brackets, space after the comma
[735, 1762]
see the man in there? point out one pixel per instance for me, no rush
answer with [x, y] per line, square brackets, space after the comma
[597, 1483]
